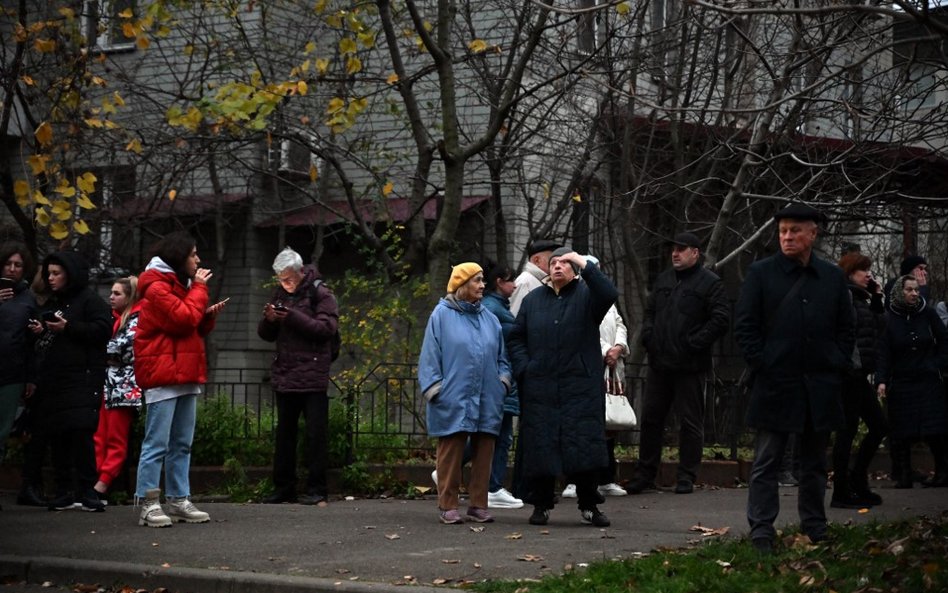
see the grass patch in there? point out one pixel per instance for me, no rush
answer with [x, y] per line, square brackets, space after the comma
[904, 556]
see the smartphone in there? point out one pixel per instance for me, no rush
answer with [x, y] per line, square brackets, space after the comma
[49, 316]
[7, 283]
[280, 307]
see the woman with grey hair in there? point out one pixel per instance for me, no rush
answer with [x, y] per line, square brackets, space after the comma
[302, 318]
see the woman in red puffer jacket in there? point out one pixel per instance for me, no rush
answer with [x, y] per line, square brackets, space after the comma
[171, 369]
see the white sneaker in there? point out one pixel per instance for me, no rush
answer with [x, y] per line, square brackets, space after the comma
[569, 491]
[183, 510]
[152, 515]
[503, 500]
[612, 489]
[434, 477]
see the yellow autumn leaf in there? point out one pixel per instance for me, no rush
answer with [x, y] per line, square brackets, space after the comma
[622, 8]
[44, 134]
[310, 47]
[305, 66]
[335, 105]
[93, 122]
[172, 194]
[81, 227]
[86, 182]
[387, 188]
[21, 188]
[84, 202]
[142, 42]
[37, 163]
[313, 173]
[65, 190]
[477, 46]
[42, 217]
[127, 13]
[58, 231]
[577, 198]
[118, 99]
[367, 39]
[39, 198]
[392, 78]
[302, 87]
[44, 46]
[134, 146]
[322, 65]
[128, 30]
[27, 80]
[189, 50]
[353, 65]
[347, 45]
[67, 13]
[107, 106]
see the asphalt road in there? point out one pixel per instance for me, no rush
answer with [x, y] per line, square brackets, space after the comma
[383, 542]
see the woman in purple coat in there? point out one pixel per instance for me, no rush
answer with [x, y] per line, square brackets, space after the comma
[302, 318]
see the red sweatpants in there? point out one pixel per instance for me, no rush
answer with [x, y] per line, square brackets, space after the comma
[111, 441]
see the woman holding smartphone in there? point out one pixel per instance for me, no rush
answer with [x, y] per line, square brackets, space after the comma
[67, 372]
[17, 306]
[171, 369]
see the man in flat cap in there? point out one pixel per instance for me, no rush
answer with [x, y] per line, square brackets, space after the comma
[534, 271]
[686, 313]
[794, 325]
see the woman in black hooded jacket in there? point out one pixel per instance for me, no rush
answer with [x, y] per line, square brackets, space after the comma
[67, 376]
[851, 487]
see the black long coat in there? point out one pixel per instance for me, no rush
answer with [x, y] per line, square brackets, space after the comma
[800, 362]
[69, 371]
[554, 349]
[913, 350]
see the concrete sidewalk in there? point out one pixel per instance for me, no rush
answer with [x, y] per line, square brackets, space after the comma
[362, 546]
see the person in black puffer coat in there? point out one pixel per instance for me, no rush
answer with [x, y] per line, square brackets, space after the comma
[67, 375]
[913, 352]
[851, 488]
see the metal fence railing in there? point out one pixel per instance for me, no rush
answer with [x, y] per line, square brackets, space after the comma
[385, 412]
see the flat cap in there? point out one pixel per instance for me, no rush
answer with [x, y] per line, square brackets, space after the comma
[687, 239]
[542, 245]
[799, 211]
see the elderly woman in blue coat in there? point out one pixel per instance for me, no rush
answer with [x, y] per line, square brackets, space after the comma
[464, 374]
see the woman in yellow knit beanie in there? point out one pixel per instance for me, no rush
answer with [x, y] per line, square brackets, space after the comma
[464, 373]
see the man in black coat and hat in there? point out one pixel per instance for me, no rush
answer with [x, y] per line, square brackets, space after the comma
[686, 313]
[794, 324]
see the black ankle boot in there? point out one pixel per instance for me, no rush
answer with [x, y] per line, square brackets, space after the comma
[859, 484]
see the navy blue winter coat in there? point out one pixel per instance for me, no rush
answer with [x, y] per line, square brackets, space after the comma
[554, 348]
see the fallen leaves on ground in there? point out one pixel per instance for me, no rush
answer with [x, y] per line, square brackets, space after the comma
[530, 558]
[709, 531]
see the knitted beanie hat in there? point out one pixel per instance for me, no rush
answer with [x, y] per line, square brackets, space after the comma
[461, 273]
[910, 263]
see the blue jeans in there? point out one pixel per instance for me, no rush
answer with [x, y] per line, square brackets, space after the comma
[169, 431]
[498, 468]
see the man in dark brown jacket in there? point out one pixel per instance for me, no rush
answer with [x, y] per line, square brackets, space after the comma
[302, 318]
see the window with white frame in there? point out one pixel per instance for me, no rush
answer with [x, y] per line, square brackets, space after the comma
[104, 21]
